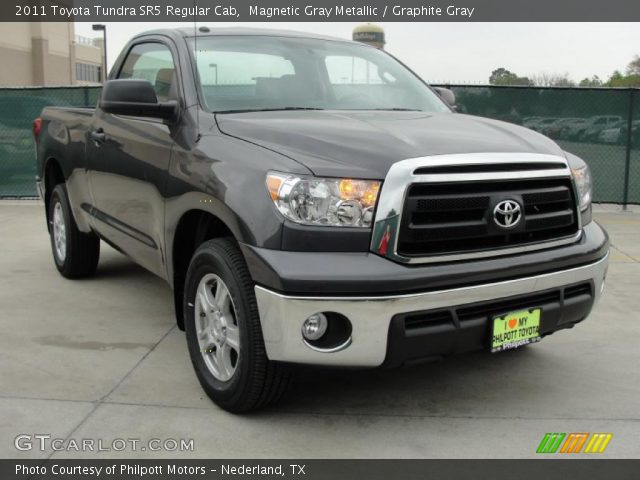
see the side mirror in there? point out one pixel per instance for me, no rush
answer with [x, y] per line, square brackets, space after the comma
[136, 98]
[447, 95]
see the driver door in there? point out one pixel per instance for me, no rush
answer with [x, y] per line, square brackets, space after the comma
[128, 159]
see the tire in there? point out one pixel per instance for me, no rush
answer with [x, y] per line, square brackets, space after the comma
[217, 325]
[75, 253]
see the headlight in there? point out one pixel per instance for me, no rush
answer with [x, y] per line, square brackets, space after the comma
[582, 177]
[324, 201]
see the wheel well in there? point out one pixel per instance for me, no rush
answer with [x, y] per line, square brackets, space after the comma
[52, 176]
[194, 228]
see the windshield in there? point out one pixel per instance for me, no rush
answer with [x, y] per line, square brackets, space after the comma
[248, 73]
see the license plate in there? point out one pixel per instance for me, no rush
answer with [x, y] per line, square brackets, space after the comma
[515, 329]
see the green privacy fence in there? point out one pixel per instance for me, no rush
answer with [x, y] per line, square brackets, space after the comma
[18, 108]
[601, 126]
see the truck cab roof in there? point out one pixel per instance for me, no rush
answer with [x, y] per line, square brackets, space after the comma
[205, 31]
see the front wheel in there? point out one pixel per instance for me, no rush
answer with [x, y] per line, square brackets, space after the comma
[223, 331]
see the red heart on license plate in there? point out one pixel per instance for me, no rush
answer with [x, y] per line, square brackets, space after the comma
[512, 323]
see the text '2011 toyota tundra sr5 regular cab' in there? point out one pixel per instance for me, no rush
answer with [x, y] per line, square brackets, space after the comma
[312, 201]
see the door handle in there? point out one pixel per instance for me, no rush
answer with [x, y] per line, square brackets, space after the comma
[98, 136]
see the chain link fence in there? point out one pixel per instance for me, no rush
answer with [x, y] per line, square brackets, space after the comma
[599, 125]
[602, 126]
[18, 108]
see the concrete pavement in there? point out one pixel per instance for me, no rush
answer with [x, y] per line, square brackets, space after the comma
[102, 359]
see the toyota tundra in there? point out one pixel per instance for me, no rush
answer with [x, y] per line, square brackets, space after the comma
[311, 200]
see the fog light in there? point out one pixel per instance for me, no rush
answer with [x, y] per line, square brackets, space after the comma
[315, 326]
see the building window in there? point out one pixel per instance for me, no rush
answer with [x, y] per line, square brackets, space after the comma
[88, 73]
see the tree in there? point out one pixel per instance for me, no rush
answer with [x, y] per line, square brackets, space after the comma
[634, 66]
[553, 80]
[617, 79]
[591, 82]
[629, 79]
[502, 76]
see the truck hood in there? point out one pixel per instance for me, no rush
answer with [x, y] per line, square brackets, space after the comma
[366, 144]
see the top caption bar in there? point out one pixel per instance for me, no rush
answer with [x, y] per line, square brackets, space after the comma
[320, 10]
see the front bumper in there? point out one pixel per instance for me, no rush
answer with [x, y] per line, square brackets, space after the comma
[372, 317]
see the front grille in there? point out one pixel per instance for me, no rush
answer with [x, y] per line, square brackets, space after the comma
[457, 217]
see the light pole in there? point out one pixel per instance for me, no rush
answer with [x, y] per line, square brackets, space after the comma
[97, 27]
[215, 65]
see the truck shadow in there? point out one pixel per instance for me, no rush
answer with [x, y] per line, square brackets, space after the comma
[117, 266]
[476, 384]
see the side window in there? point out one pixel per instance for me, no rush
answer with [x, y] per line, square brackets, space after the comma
[152, 62]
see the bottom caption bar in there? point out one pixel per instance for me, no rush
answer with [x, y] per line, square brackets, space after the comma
[317, 469]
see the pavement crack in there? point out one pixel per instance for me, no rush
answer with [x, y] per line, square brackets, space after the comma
[622, 252]
[142, 359]
[101, 400]
[44, 399]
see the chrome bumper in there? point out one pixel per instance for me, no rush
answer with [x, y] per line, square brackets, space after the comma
[282, 316]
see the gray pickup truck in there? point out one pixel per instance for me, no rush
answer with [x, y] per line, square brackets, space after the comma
[312, 201]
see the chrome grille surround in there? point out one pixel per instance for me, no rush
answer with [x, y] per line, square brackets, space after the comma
[401, 176]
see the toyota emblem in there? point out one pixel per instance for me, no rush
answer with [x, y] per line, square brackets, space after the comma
[507, 214]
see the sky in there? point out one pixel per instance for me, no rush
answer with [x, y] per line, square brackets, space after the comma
[464, 52]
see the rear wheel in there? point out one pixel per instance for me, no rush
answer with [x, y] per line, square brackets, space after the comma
[223, 331]
[75, 253]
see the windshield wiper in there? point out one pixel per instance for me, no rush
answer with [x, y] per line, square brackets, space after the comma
[278, 109]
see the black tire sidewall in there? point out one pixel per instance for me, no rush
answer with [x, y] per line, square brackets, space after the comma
[209, 259]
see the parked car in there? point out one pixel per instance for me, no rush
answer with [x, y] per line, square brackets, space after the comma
[555, 129]
[529, 122]
[591, 128]
[597, 124]
[307, 213]
[571, 130]
[544, 123]
[619, 134]
[612, 135]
